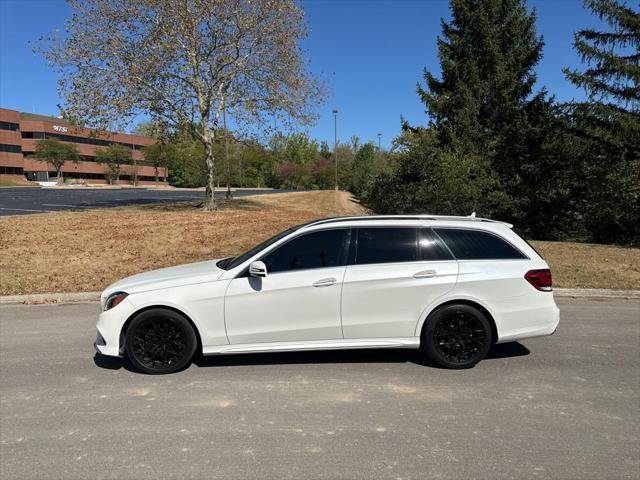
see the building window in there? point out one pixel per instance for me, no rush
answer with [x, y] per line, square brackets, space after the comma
[11, 171]
[75, 139]
[10, 148]
[33, 135]
[9, 126]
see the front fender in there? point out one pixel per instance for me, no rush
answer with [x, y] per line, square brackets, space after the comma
[202, 303]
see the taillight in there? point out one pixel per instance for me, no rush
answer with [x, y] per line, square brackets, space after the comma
[541, 279]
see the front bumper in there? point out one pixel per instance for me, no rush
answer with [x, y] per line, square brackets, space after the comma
[110, 323]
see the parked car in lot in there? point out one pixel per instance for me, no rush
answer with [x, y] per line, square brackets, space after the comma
[449, 286]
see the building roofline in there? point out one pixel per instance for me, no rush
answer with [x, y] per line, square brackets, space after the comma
[42, 118]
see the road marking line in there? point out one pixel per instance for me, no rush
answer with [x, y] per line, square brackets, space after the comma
[24, 210]
[59, 205]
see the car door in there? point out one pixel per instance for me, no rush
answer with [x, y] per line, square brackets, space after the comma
[299, 299]
[397, 273]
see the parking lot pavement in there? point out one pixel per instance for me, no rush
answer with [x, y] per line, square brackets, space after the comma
[565, 406]
[27, 200]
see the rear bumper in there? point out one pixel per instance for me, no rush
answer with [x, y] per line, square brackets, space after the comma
[541, 322]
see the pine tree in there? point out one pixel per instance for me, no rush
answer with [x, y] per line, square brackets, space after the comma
[484, 106]
[613, 58]
[607, 126]
[487, 55]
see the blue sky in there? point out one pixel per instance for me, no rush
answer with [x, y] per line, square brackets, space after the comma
[370, 52]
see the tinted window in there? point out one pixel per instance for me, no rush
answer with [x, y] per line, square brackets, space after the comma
[11, 170]
[432, 248]
[9, 126]
[32, 134]
[229, 263]
[387, 245]
[326, 248]
[10, 148]
[477, 245]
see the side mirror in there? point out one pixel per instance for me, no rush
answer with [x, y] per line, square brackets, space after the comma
[258, 269]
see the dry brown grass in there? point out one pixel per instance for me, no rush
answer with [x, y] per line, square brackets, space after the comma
[10, 182]
[584, 265]
[86, 251]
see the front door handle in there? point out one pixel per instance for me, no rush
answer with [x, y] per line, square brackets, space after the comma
[425, 274]
[325, 282]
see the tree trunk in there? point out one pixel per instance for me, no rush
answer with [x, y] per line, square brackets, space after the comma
[156, 172]
[210, 202]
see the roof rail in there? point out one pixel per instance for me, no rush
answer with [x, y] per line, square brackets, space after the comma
[470, 218]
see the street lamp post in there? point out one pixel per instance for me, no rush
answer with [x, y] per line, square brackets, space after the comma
[379, 137]
[226, 147]
[335, 141]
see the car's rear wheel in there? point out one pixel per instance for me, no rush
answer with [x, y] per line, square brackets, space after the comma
[456, 336]
[160, 341]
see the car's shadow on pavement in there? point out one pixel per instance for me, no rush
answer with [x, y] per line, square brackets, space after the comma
[501, 351]
[109, 363]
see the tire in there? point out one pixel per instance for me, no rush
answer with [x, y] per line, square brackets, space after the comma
[160, 341]
[456, 336]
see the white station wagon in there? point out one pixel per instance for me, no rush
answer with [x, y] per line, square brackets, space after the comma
[449, 286]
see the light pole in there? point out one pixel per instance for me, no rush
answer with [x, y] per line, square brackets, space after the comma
[335, 141]
[379, 137]
[226, 147]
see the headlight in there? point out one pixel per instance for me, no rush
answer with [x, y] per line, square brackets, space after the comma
[114, 299]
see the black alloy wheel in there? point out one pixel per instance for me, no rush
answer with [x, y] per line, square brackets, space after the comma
[457, 336]
[160, 341]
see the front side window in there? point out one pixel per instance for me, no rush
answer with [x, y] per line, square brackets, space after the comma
[230, 263]
[478, 245]
[324, 248]
[386, 245]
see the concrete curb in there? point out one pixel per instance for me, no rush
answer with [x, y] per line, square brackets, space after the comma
[37, 298]
[596, 293]
[86, 297]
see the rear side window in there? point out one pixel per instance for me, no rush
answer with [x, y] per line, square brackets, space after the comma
[477, 245]
[324, 248]
[431, 247]
[386, 245]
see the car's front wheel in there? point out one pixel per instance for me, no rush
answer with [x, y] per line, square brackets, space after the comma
[160, 341]
[456, 336]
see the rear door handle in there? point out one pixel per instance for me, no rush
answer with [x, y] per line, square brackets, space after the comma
[325, 282]
[425, 274]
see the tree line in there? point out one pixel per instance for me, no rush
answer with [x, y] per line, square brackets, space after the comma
[493, 142]
[496, 146]
[292, 161]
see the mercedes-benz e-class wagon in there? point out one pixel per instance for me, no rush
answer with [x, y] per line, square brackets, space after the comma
[448, 286]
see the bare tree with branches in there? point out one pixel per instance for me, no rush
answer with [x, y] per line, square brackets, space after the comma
[181, 61]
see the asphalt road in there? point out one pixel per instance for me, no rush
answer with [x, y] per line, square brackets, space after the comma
[566, 406]
[27, 200]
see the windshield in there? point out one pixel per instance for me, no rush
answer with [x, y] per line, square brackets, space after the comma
[229, 263]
